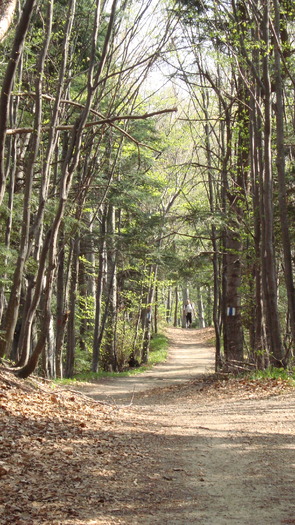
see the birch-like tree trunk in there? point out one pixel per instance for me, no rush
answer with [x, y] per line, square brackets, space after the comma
[7, 9]
[110, 350]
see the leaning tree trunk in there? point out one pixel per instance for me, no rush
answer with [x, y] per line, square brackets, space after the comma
[8, 81]
[24, 251]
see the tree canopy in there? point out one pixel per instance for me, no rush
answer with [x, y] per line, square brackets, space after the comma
[146, 158]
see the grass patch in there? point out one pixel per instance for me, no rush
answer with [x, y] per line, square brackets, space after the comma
[158, 354]
[274, 373]
[158, 349]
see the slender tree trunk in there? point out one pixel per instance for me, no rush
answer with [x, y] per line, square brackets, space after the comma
[200, 309]
[169, 305]
[98, 299]
[268, 255]
[154, 319]
[256, 333]
[215, 258]
[280, 162]
[147, 315]
[61, 314]
[7, 84]
[71, 328]
[185, 297]
[111, 335]
[176, 307]
[14, 300]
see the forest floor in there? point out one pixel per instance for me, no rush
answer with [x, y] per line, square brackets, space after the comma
[197, 449]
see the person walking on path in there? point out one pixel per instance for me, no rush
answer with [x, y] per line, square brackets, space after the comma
[189, 311]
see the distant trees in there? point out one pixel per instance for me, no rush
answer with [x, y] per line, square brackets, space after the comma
[249, 75]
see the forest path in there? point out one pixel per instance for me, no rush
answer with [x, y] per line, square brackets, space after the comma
[189, 356]
[201, 452]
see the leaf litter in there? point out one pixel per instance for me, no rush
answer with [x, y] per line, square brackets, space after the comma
[68, 459]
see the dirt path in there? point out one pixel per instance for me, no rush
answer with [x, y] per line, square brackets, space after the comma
[189, 356]
[202, 455]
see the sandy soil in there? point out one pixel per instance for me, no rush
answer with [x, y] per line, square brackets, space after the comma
[208, 455]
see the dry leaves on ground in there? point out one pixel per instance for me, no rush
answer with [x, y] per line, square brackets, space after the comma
[66, 459]
[60, 453]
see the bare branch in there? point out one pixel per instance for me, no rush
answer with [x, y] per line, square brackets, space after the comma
[109, 120]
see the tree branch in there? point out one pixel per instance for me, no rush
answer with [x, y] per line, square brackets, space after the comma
[109, 120]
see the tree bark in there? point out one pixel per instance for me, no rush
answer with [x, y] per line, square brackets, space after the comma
[268, 254]
[71, 328]
[280, 162]
[97, 337]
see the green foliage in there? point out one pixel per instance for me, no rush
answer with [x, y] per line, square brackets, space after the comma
[189, 10]
[274, 373]
[158, 349]
[158, 354]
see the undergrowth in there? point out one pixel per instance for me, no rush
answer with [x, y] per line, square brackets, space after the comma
[274, 373]
[158, 354]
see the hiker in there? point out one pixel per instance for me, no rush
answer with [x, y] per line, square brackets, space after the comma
[189, 310]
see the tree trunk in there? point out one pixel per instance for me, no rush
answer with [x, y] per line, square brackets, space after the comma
[24, 252]
[61, 314]
[169, 305]
[215, 258]
[200, 309]
[280, 162]
[111, 359]
[7, 84]
[97, 337]
[268, 255]
[71, 328]
[147, 315]
[176, 307]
